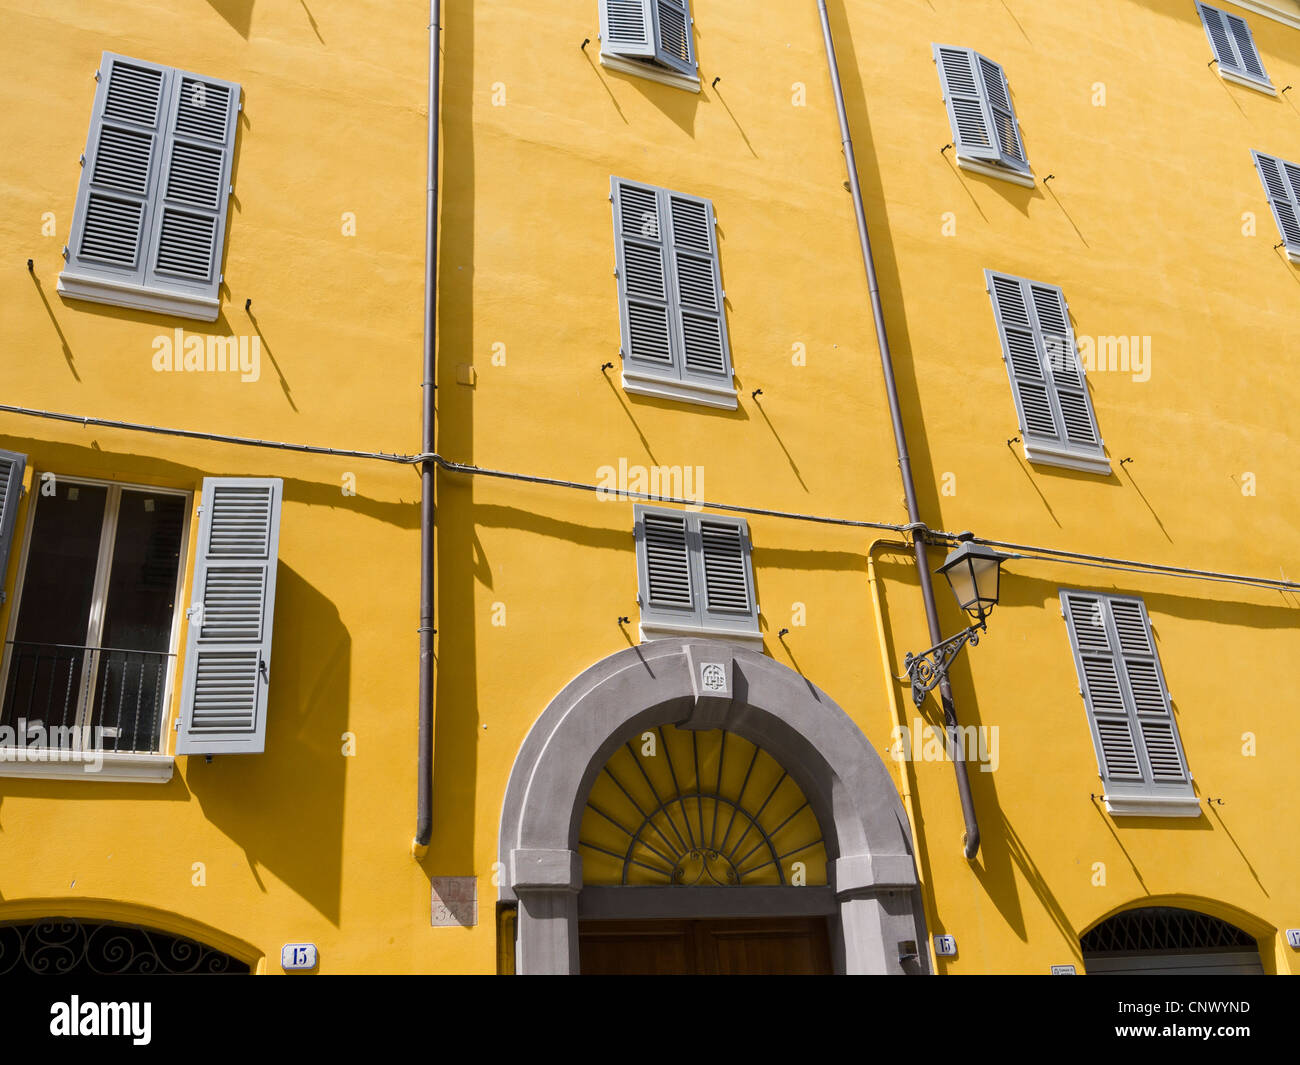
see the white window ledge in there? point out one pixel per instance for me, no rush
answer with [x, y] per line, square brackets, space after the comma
[645, 69]
[1152, 805]
[1068, 460]
[1293, 254]
[53, 764]
[979, 166]
[674, 388]
[138, 297]
[1251, 83]
[659, 631]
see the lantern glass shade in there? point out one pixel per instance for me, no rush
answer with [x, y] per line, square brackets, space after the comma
[973, 572]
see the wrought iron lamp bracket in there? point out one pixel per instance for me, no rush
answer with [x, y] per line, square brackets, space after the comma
[928, 668]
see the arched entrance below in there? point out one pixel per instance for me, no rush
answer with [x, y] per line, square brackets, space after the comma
[1168, 941]
[811, 765]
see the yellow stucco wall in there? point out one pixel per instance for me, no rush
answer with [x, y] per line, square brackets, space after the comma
[1142, 227]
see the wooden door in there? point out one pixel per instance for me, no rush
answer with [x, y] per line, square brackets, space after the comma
[764, 946]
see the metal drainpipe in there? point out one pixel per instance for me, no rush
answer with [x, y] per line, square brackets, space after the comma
[424, 758]
[971, 839]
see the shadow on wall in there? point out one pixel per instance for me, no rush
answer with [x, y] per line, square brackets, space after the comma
[285, 807]
[459, 557]
[237, 13]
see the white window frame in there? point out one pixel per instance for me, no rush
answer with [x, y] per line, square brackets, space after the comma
[115, 767]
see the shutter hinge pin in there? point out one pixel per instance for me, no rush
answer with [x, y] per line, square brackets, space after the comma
[65, 253]
[81, 160]
[96, 75]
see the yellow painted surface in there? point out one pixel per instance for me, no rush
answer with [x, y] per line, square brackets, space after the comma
[1142, 227]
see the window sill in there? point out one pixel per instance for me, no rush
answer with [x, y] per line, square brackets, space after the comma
[137, 297]
[1242, 79]
[685, 391]
[1068, 460]
[80, 765]
[659, 631]
[978, 166]
[1152, 805]
[650, 71]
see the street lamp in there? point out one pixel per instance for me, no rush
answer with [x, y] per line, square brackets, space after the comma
[973, 572]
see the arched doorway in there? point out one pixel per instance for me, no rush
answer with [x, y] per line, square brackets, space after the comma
[857, 880]
[1167, 941]
[69, 946]
[706, 811]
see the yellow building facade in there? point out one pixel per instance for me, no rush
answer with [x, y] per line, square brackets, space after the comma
[675, 579]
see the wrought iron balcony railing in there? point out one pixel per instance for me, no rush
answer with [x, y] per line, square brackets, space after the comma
[114, 693]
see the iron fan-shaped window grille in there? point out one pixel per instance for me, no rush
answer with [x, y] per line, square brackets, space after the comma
[679, 807]
[1164, 929]
[65, 946]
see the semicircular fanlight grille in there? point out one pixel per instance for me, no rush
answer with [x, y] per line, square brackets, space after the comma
[691, 808]
[1166, 929]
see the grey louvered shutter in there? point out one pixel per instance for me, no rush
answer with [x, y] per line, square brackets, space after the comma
[697, 284]
[627, 28]
[1047, 378]
[963, 95]
[1002, 115]
[228, 648]
[149, 224]
[119, 177]
[644, 283]
[1139, 752]
[190, 212]
[726, 574]
[1233, 44]
[674, 46]
[1282, 185]
[667, 585]
[12, 466]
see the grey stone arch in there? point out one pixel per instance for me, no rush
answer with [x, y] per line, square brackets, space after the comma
[877, 920]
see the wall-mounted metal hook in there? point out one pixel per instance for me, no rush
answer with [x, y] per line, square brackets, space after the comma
[31, 266]
[1125, 462]
[1048, 178]
[1286, 90]
[1213, 802]
[756, 393]
[715, 82]
[1211, 62]
[624, 621]
[782, 633]
[1279, 244]
[248, 303]
[585, 41]
[944, 148]
[1014, 440]
[606, 366]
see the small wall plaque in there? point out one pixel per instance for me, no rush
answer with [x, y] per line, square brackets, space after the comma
[945, 946]
[1063, 970]
[454, 902]
[298, 956]
[1293, 937]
